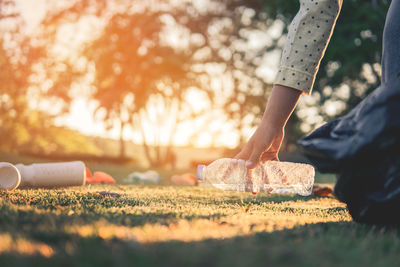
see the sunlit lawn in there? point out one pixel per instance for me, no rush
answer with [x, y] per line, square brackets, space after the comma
[182, 226]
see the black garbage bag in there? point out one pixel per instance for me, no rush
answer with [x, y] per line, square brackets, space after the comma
[363, 149]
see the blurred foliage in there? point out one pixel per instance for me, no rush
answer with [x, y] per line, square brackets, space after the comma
[59, 140]
[22, 128]
[136, 62]
[131, 62]
[132, 65]
[229, 29]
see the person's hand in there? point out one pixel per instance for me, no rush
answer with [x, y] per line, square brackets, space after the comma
[263, 145]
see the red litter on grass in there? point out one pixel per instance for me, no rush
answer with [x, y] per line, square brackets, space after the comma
[98, 178]
[184, 179]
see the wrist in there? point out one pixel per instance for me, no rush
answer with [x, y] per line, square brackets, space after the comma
[273, 119]
[268, 123]
[280, 106]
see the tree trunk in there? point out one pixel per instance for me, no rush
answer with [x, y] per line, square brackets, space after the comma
[144, 142]
[121, 140]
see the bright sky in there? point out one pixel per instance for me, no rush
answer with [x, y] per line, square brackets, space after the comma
[81, 115]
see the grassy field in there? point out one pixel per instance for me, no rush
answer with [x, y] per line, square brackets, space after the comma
[184, 226]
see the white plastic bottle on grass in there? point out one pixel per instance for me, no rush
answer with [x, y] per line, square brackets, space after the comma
[42, 175]
[270, 176]
[10, 178]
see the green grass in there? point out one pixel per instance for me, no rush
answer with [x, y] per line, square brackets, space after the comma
[164, 225]
[184, 226]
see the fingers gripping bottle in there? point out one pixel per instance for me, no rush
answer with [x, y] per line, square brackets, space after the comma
[270, 176]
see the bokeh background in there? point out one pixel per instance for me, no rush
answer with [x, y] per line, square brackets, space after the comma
[165, 84]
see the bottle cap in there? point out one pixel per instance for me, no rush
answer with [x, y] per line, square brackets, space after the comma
[199, 170]
[10, 178]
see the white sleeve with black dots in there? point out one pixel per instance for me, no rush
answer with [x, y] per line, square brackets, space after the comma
[307, 39]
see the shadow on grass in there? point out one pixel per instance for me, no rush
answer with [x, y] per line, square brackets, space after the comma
[29, 221]
[60, 209]
[254, 199]
[43, 214]
[322, 244]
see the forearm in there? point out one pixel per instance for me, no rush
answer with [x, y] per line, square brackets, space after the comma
[280, 106]
[308, 37]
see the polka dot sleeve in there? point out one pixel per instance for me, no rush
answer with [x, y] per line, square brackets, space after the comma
[308, 37]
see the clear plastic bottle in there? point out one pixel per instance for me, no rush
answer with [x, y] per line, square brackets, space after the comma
[270, 176]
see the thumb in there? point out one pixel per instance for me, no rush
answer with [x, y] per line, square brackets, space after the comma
[255, 156]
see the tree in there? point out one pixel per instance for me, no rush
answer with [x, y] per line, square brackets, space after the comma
[131, 62]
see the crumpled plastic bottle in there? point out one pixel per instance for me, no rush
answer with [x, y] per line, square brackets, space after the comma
[270, 177]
